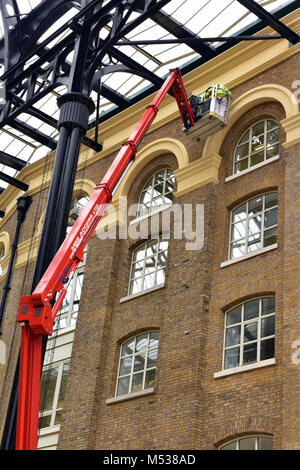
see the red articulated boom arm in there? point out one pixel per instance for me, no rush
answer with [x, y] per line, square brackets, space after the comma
[36, 312]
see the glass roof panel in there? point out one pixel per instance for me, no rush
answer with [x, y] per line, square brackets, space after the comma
[206, 18]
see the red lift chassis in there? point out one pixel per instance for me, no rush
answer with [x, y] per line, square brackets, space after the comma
[36, 312]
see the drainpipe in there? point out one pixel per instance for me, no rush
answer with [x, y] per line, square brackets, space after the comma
[23, 204]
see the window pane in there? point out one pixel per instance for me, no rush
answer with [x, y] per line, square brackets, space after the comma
[271, 124]
[251, 309]
[153, 339]
[152, 357]
[149, 281]
[258, 144]
[273, 137]
[232, 358]
[247, 444]
[271, 218]
[151, 247]
[239, 213]
[258, 129]
[241, 152]
[58, 416]
[48, 384]
[245, 137]
[270, 236]
[254, 225]
[268, 305]
[268, 326]
[250, 353]
[160, 277]
[139, 254]
[136, 286]
[127, 348]
[271, 200]
[125, 365]
[250, 332]
[44, 421]
[267, 349]
[272, 151]
[237, 249]
[255, 205]
[241, 165]
[139, 362]
[234, 316]
[233, 336]
[238, 231]
[141, 342]
[254, 242]
[230, 446]
[257, 158]
[137, 269]
[137, 382]
[150, 378]
[123, 386]
[63, 385]
[150, 265]
[265, 443]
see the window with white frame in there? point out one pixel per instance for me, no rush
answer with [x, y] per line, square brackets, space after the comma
[253, 225]
[137, 364]
[157, 192]
[52, 392]
[259, 143]
[148, 266]
[249, 443]
[249, 335]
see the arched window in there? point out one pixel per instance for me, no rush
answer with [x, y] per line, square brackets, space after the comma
[249, 335]
[148, 266]
[157, 192]
[253, 225]
[259, 143]
[249, 443]
[137, 364]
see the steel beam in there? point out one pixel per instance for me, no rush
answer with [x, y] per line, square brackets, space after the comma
[180, 31]
[270, 20]
[13, 162]
[13, 181]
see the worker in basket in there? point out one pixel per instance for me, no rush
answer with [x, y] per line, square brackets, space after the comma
[202, 104]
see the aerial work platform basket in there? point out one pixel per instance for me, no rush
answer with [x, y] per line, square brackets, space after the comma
[210, 110]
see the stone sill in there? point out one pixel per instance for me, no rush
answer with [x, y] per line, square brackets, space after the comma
[139, 294]
[130, 396]
[146, 216]
[237, 370]
[49, 430]
[249, 170]
[249, 255]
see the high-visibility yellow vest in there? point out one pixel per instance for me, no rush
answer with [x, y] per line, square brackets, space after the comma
[222, 91]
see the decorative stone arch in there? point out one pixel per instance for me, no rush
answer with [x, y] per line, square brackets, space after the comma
[4, 241]
[117, 211]
[253, 425]
[148, 153]
[258, 95]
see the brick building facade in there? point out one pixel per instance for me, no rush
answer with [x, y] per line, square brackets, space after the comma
[209, 390]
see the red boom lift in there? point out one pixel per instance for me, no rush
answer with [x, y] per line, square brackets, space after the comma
[37, 311]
